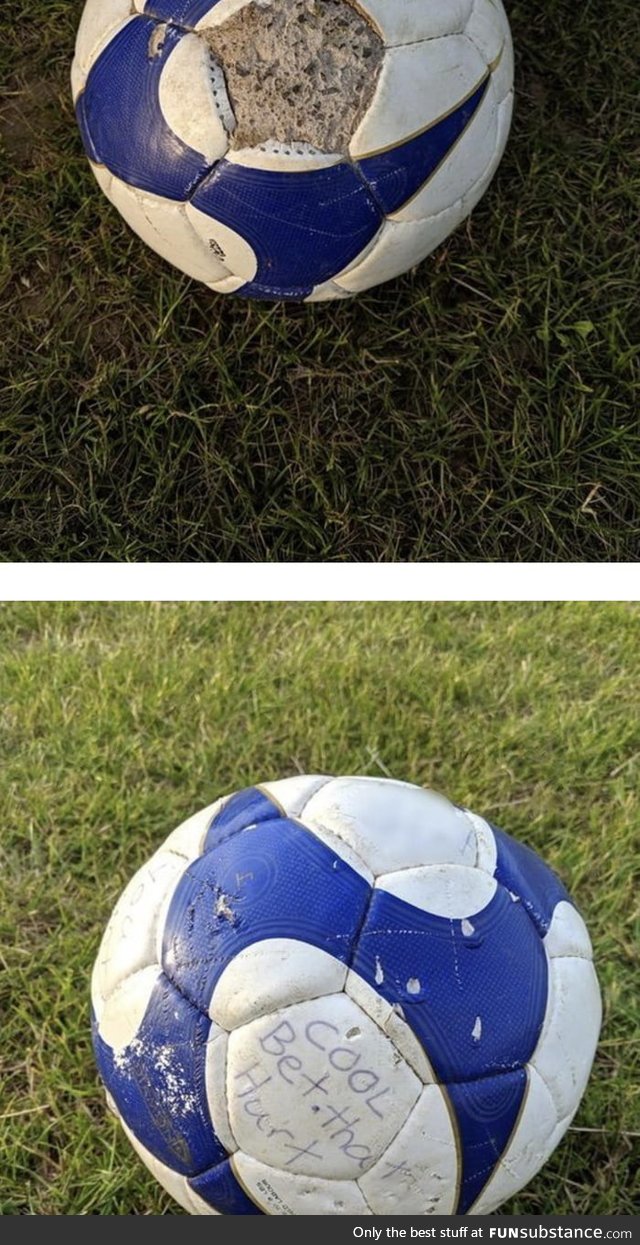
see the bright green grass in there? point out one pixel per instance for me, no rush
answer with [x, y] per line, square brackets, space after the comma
[481, 408]
[119, 721]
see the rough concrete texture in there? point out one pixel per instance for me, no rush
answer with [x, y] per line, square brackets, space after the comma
[297, 71]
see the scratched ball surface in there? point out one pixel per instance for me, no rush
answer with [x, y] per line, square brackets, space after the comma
[344, 996]
[293, 149]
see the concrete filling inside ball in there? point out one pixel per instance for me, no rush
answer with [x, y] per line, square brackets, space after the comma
[299, 71]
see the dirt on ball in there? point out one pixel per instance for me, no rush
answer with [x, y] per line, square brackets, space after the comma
[297, 71]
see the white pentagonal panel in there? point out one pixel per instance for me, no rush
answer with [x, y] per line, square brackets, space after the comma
[529, 1148]
[406, 21]
[216, 1086]
[401, 245]
[317, 1089]
[564, 1054]
[419, 84]
[291, 794]
[461, 168]
[282, 1193]
[175, 1184]
[186, 99]
[130, 941]
[100, 20]
[164, 226]
[418, 1173]
[453, 891]
[270, 975]
[120, 1016]
[567, 934]
[391, 825]
[239, 257]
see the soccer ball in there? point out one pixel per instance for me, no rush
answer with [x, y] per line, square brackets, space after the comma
[293, 149]
[344, 996]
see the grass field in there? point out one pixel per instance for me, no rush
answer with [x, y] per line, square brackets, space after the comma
[482, 407]
[117, 722]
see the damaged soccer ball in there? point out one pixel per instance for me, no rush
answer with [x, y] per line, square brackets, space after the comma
[293, 149]
[344, 996]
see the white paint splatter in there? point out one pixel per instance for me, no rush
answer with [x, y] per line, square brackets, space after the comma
[476, 1032]
[157, 41]
[379, 975]
[413, 986]
[467, 928]
[224, 909]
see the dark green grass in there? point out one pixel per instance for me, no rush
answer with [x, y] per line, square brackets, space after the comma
[484, 407]
[117, 722]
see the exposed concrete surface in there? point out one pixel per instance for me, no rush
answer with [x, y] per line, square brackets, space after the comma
[297, 71]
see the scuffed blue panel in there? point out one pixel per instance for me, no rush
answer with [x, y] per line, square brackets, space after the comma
[243, 809]
[158, 1082]
[524, 873]
[220, 1189]
[302, 227]
[486, 1112]
[396, 175]
[274, 881]
[498, 974]
[182, 12]
[121, 121]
